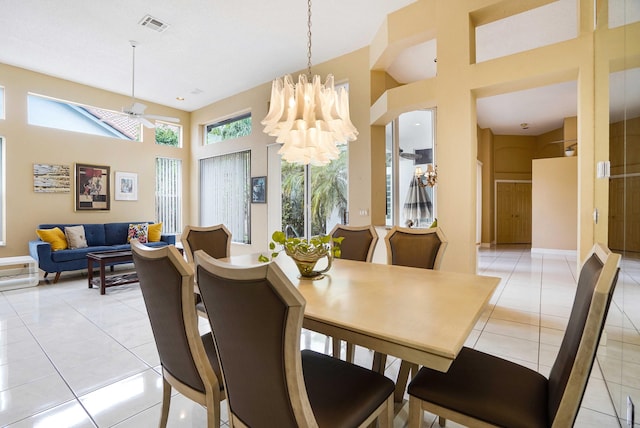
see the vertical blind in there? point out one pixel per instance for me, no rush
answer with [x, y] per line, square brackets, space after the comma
[169, 194]
[225, 193]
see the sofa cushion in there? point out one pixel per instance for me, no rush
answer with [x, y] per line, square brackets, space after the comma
[155, 232]
[95, 234]
[138, 231]
[55, 237]
[75, 237]
[77, 254]
[116, 233]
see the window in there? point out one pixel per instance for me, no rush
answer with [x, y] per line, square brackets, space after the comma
[168, 134]
[235, 127]
[1, 102]
[169, 194]
[326, 198]
[225, 193]
[51, 113]
[410, 144]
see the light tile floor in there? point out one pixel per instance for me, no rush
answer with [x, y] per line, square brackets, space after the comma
[72, 358]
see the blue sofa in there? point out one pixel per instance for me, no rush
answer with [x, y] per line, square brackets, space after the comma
[100, 237]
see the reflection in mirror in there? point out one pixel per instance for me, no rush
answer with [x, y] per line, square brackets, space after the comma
[620, 359]
[410, 148]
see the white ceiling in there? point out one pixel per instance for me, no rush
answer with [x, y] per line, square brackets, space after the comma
[215, 49]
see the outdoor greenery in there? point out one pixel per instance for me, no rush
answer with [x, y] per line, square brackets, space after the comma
[328, 193]
[226, 130]
[167, 135]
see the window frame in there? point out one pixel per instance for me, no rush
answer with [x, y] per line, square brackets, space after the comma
[220, 123]
[176, 208]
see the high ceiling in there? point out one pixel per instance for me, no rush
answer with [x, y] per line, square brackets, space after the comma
[213, 49]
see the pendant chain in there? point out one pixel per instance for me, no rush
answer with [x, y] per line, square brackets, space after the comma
[309, 39]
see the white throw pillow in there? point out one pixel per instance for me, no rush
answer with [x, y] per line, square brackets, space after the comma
[75, 236]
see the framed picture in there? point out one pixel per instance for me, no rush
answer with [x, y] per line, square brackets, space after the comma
[126, 186]
[92, 187]
[258, 190]
[51, 178]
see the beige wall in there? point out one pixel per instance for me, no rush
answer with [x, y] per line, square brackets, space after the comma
[460, 81]
[554, 204]
[26, 144]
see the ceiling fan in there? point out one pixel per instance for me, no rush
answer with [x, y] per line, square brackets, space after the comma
[411, 156]
[136, 110]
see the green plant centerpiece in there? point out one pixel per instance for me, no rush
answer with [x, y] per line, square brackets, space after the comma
[305, 253]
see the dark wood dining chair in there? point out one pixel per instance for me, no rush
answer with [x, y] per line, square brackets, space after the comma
[256, 317]
[213, 240]
[188, 360]
[359, 244]
[412, 247]
[484, 390]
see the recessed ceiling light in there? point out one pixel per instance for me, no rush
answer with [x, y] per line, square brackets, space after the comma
[524, 125]
[180, 98]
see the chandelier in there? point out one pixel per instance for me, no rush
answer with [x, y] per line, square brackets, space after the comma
[428, 178]
[310, 119]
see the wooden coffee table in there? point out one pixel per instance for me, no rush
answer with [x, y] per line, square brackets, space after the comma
[104, 259]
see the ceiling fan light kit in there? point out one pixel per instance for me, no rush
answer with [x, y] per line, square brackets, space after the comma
[136, 110]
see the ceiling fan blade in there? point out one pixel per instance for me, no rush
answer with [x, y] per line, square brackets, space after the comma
[145, 122]
[163, 118]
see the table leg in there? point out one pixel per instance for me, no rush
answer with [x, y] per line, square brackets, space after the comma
[103, 280]
[90, 272]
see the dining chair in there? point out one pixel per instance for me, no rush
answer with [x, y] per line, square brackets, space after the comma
[188, 360]
[359, 244]
[421, 248]
[214, 240]
[484, 390]
[256, 317]
[412, 247]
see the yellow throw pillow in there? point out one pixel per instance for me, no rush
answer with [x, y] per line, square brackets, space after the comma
[154, 232]
[54, 236]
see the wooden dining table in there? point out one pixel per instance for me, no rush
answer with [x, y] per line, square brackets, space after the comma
[422, 316]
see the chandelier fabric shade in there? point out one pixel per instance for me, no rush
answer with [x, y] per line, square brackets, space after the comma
[309, 118]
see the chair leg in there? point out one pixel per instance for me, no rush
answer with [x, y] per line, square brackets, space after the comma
[166, 401]
[57, 277]
[415, 412]
[442, 421]
[213, 411]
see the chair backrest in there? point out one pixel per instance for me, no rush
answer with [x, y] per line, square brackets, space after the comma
[256, 318]
[570, 372]
[359, 241]
[213, 240]
[421, 248]
[166, 281]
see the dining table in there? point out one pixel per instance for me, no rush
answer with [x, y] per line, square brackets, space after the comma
[419, 315]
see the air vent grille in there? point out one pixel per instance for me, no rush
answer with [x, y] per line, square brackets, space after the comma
[153, 23]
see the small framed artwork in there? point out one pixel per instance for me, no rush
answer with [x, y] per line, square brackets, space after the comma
[49, 178]
[258, 190]
[126, 186]
[92, 187]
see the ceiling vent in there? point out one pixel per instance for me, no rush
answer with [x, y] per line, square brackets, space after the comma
[153, 23]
